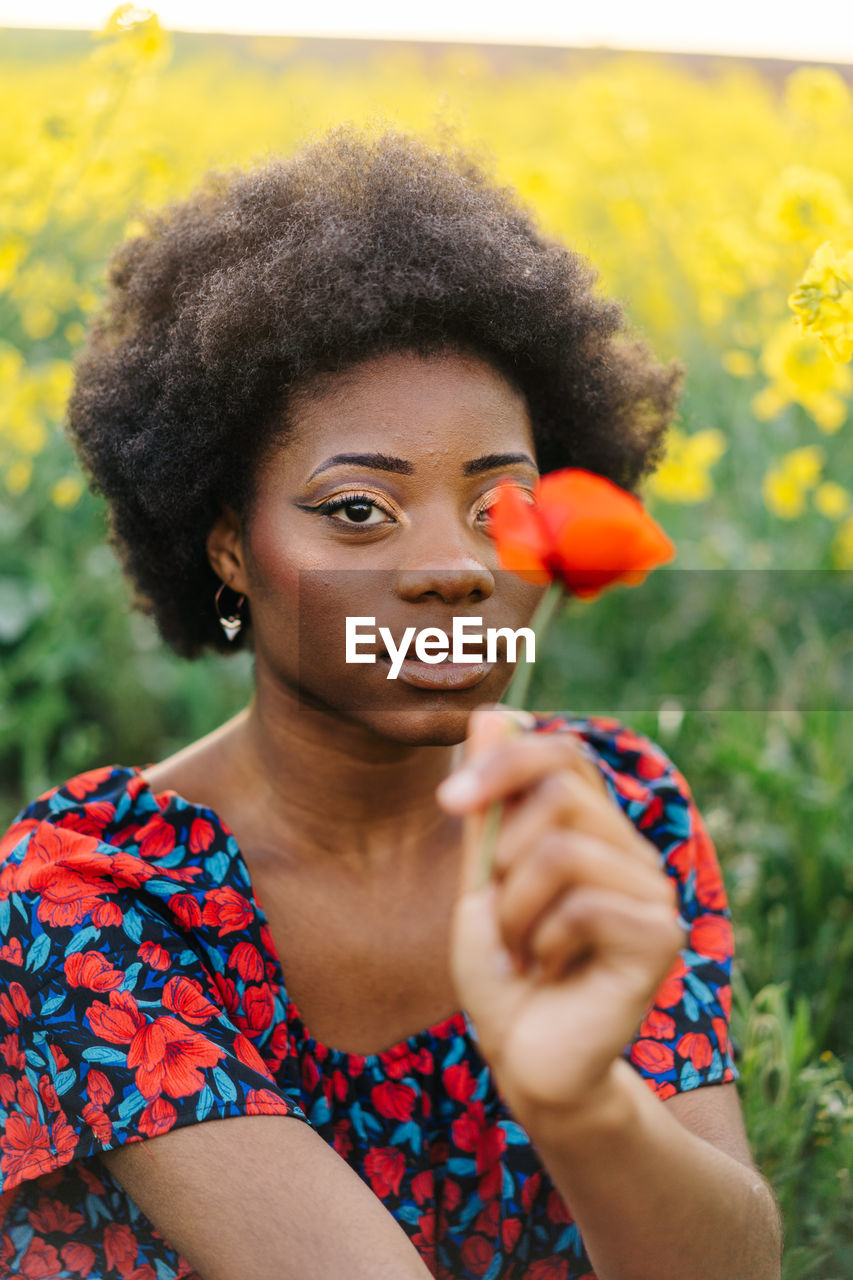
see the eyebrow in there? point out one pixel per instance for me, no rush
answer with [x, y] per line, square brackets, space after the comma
[383, 462]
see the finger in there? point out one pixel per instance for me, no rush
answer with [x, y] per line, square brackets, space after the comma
[487, 726]
[562, 800]
[505, 767]
[639, 938]
[567, 860]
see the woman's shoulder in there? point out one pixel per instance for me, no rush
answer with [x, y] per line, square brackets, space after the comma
[99, 803]
[630, 759]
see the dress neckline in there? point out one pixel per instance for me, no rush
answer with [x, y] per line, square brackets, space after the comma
[456, 1023]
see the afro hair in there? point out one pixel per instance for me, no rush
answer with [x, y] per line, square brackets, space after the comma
[221, 313]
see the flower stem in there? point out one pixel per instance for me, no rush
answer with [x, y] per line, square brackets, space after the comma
[514, 697]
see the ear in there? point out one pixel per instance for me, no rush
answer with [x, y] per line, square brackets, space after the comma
[225, 550]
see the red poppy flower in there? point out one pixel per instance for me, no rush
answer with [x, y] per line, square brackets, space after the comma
[580, 529]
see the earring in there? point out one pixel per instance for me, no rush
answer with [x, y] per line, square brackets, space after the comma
[231, 625]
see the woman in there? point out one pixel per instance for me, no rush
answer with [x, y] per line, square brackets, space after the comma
[299, 400]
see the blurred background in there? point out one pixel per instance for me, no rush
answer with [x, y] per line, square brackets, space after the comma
[709, 176]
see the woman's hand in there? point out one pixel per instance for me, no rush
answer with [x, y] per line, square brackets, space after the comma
[575, 887]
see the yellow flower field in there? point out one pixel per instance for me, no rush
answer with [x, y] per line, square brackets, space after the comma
[719, 207]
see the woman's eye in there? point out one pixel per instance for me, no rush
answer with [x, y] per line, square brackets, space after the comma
[486, 508]
[358, 509]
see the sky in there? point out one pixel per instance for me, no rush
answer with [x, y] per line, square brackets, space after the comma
[821, 30]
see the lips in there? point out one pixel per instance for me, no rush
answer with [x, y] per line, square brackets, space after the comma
[444, 675]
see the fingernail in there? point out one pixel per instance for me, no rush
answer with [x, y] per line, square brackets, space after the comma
[459, 788]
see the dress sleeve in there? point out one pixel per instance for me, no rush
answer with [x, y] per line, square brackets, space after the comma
[112, 1025]
[683, 1041]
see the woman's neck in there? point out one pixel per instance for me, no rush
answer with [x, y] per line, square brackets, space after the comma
[333, 794]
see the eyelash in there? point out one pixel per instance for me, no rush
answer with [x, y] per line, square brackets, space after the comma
[347, 499]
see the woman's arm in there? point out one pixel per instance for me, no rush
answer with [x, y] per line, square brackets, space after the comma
[662, 1188]
[265, 1197]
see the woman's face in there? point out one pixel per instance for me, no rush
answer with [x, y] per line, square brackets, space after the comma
[432, 438]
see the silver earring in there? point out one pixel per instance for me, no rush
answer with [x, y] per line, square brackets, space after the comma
[232, 625]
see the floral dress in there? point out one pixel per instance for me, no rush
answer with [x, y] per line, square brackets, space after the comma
[140, 990]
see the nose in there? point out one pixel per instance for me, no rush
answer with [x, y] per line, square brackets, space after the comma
[450, 572]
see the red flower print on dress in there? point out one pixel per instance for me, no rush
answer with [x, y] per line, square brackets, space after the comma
[15, 1006]
[395, 1101]
[40, 1262]
[155, 956]
[658, 1025]
[201, 835]
[158, 1117]
[13, 1054]
[227, 909]
[477, 1254]
[385, 1167]
[156, 839]
[510, 1233]
[53, 1215]
[249, 1056]
[93, 970]
[459, 1082]
[257, 1009]
[12, 952]
[167, 1055]
[78, 1257]
[98, 1087]
[263, 1102]
[186, 910]
[712, 936]
[185, 997]
[98, 1121]
[120, 1246]
[697, 1047]
[548, 1269]
[25, 1145]
[85, 783]
[652, 1056]
[248, 962]
[671, 990]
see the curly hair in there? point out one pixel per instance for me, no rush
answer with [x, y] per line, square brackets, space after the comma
[232, 304]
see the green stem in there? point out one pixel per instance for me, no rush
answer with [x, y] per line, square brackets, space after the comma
[514, 697]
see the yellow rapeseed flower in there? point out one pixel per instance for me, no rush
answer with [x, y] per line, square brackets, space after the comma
[817, 94]
[842, 546]
[683, 474]
[18, 476]
[66, 492]
[832, 500]
[782, 495]
[803, 465]
[823, 301]
[804, 205]
[740, 364]
[800, 371]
